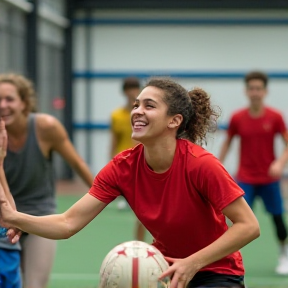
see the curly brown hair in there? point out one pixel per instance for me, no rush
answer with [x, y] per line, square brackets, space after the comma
[25, 90]
[199, 117]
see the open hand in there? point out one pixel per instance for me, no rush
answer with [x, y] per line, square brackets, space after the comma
[182, 270]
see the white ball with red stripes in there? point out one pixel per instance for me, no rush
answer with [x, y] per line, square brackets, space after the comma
[133, 264]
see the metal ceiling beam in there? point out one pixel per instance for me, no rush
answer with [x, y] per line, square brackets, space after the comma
[31, 42]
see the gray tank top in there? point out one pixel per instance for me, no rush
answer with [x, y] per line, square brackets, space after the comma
[30, 178]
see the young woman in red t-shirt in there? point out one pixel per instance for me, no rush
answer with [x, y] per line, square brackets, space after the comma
[178, 190]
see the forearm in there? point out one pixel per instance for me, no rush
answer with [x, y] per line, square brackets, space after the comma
[57, 226]
[232, 240]
[224, 150]
[50, 226]
[6, 189]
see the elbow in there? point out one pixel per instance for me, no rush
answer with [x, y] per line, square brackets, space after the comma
[68, 230]
[256, 233]
[254, 230]
[68, 234]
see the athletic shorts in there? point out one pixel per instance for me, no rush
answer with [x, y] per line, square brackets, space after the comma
[270, 194]
[205, 279]
[10, 273]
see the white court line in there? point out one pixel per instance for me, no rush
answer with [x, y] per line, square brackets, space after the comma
[67, 276]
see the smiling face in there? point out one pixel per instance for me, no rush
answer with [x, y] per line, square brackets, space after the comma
[11, 105]
[149, 117]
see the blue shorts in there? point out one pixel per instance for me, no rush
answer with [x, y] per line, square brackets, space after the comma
[270, 194]
[10, 273]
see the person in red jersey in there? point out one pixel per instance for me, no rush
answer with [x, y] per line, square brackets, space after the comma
[259, 172]
[178, 190]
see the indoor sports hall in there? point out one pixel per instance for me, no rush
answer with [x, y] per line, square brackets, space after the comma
[77, 53]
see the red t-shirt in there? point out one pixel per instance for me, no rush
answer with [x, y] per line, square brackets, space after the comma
[181, 207]
[256, 143]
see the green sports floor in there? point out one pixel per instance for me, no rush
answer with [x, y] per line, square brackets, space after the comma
[78, 259]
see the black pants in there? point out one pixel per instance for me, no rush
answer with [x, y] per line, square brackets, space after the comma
[210, 279]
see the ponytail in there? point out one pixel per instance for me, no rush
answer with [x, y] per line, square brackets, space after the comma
[203, 117]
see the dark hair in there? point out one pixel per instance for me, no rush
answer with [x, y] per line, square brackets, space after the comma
[258, 75]
[198, 115]
[130, 83]
[24, 88]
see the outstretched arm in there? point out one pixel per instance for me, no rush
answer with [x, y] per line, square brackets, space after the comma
[58, 226]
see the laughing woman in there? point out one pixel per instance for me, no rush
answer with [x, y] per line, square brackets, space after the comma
[178, 190]
[32, 138]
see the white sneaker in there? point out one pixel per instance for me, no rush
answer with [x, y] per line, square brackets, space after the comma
[282, 267]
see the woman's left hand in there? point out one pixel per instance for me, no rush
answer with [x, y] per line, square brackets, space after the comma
[182, 271]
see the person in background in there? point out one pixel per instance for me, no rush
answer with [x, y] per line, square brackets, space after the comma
[32, 138]
[177, 189]
[120, 118]
[259, 171]
[121, 131]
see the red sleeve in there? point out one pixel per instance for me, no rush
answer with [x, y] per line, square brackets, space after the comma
[105, 186]
[215, 183]
[232, 127]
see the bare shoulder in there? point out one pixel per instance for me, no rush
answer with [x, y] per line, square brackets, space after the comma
[46, 121]
[49, 127]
